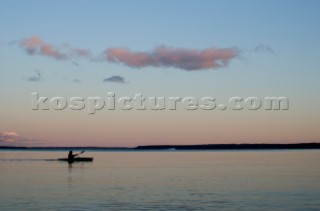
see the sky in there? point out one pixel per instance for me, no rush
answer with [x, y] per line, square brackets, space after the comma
[217, 49]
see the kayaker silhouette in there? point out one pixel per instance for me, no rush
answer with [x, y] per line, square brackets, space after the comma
[72, 156]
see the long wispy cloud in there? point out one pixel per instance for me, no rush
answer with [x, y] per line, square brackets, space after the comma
[182, 58]
[163, 56]
[36, 46]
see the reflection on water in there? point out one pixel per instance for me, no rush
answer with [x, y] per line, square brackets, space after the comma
[26, 159]
[211, 180]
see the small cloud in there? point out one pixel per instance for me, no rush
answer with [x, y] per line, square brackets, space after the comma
[36, 77]
[81, 52]
[263, 48]
[182, 58]
[8, 136]
[76, 63]
[10, 43]
[77, 81]
[36, 46]
[13, 139]
[115, 79]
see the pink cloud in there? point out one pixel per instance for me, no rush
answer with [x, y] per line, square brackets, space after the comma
[182, 58]
[163, 56]
[14, 139]
[81, 52]
[36, 46]
[8, 136]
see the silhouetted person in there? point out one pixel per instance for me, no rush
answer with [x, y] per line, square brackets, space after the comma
[72, 156]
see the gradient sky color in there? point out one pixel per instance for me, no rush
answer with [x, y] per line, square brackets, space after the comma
[276, 53]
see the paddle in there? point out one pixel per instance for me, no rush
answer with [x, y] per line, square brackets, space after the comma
[79, 153]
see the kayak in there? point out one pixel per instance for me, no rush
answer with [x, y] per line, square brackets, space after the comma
[78, 159]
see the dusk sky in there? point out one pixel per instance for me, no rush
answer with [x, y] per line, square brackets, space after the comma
[219, 49]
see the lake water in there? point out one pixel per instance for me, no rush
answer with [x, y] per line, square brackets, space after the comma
[177, 180]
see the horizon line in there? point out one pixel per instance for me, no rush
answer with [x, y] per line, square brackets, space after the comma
[299, 145]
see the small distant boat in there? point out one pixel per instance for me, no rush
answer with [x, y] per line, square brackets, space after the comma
[172, 149]
[78, 159]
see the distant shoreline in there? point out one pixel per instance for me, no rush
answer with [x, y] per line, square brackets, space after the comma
[181, 147]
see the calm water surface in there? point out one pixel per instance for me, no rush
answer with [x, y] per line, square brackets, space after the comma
[210, 180]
